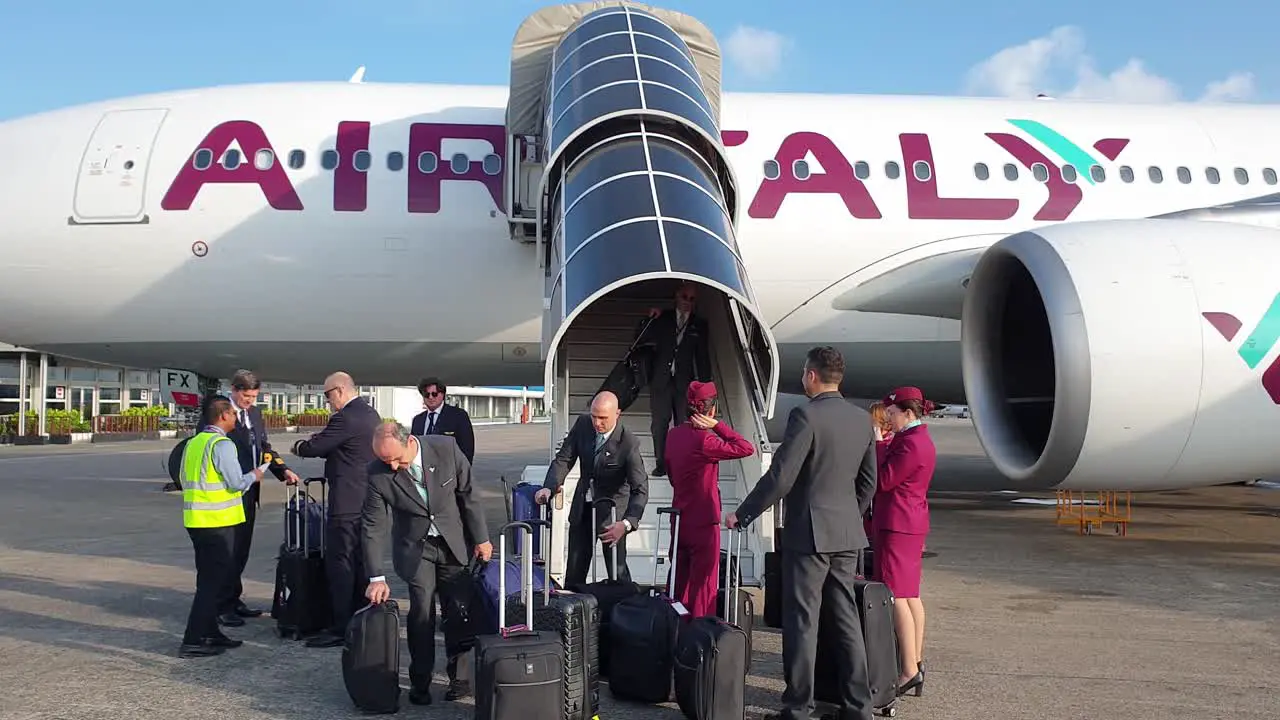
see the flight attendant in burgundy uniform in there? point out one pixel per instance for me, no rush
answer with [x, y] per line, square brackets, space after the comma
[694, 450]
[900, 518]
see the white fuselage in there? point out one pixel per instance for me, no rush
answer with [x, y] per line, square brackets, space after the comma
[391, 294]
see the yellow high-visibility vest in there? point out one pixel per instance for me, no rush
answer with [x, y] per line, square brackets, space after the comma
[207, 501]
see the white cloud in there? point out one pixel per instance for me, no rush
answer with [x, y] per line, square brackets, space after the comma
[1058, 64]
[754, 52]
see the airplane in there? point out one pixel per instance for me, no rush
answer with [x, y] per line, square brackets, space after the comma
[1094, 280]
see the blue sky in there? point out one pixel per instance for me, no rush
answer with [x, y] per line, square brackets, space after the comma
[64, 52]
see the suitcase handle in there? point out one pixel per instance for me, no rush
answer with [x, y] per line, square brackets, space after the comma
[734, 585]
[675, 542]
[613, 519]
[545, 549]
[294, 495]
[526, 575]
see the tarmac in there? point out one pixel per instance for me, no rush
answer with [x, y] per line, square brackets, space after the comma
[1026, 619]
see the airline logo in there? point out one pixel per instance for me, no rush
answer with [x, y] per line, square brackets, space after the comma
[1072, 154]
[1257, 345]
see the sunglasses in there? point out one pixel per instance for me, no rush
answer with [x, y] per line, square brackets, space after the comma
[432, 393]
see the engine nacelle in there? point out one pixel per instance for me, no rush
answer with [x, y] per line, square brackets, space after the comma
[1133, 354]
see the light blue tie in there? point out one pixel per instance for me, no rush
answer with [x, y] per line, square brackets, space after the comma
[415, 472]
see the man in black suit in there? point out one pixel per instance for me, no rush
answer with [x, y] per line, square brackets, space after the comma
[426, 483]
[825, 469]
[681, 355]
[346, 446]
[612, 468]
[250, 439]
[440, 419]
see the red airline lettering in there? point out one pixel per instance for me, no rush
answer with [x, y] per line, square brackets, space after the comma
[923, 201]
[837, 178]
[351, 185]
[1063, 196]
[424, 187]
[273, 181]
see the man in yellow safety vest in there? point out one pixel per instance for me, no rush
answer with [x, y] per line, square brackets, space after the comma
[212, 484]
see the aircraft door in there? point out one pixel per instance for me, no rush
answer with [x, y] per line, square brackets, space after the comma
[112, 181]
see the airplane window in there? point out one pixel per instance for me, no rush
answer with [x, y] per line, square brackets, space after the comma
[980, 171]
[1269, 176]
[362, 160]
[329, 159]
[297, 158]
[1154, 173]
[771, 170]
[1242, 176]
[203, 159]
[264, 159]
[1184, 175]
[1211, 174]
[1126, 173]
[920, 169]
[492, 164]
[1098, 173]
[891, 170]
[395, 161]
[428, 162]
[800, 170]
[861, 170]
[1010, 172]
[1040, 172]
[1069, 173]
[231, 159]
[459, 163]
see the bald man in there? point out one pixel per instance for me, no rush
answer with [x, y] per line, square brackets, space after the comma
[346, 444]
[612, 468]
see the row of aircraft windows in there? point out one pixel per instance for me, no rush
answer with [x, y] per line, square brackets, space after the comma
[361, 160]
[1039, 171]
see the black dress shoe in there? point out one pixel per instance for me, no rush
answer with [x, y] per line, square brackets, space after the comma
[223, 642]
[324, 640]
[204, 649]
[458, 689]
[245, 611]
[230, 619]
[420, 696]
[659, 472]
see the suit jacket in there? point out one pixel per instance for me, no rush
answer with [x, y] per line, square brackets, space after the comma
[692, 356]
[693, 463]
[616, 472]
[825, 469]
[906, 466]
[244, 439]
[452, 421]
[452, 509]
[346, 444]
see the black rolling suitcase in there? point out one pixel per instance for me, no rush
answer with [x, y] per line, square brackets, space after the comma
[371, 658]
[608, 593]
[744, 611]
[875, 613]
[301, 605]
[575, 617]
[642, 635]
[711, 659]
[519, 672]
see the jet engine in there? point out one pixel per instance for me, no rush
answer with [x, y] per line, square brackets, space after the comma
[1134, 354]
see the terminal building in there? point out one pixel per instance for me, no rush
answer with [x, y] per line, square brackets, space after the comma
[83, 401]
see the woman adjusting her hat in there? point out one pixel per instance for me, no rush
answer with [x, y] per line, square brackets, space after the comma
[693, 454]
[900, 521]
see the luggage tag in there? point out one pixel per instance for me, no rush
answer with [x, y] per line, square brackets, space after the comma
[514, 630]
[679, 607]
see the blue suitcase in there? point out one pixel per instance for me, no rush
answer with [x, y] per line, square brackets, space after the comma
[522, 508]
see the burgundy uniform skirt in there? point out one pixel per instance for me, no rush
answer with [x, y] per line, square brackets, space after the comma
[897, 562]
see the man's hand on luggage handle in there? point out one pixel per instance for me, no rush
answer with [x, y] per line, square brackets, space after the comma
[291, 478]
[378, 592]
[613, 533]
[484, 551]
[542, 496]
[731, 520]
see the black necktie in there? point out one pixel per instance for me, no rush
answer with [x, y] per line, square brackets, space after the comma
[431, 422]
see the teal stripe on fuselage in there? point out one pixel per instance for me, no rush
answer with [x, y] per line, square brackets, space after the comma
[1067, 150]
[1264, 336]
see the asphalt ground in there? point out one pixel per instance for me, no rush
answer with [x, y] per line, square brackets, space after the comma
[1026, 619]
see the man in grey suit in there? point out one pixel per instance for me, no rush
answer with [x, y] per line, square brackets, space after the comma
[426, 483]
[825, 471]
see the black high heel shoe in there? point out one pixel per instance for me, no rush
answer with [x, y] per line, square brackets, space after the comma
[920, 666]
[916, 684]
